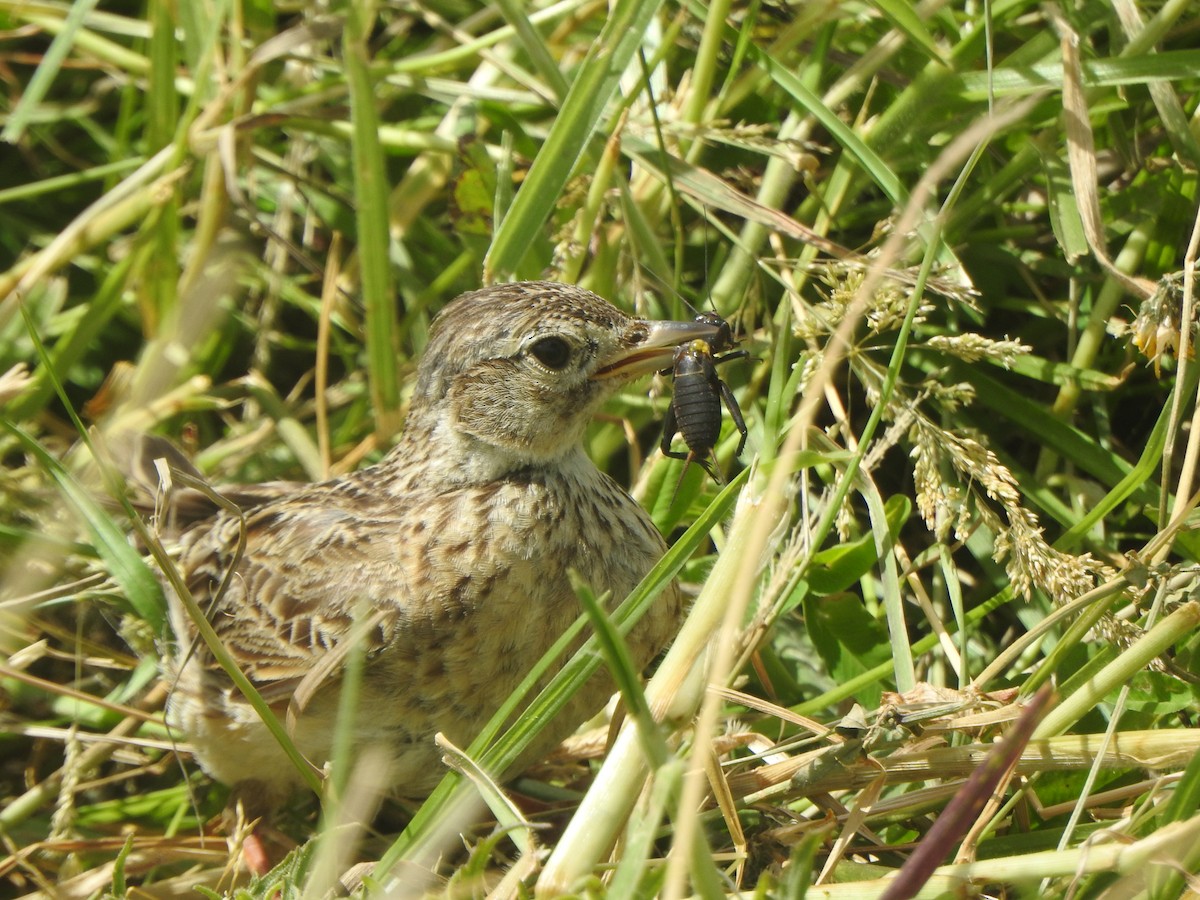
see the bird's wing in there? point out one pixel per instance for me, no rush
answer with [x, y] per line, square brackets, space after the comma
[308, 573]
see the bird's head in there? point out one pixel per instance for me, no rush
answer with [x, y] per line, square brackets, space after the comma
[521, 368]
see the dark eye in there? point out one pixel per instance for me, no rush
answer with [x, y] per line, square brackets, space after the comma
[552, 352]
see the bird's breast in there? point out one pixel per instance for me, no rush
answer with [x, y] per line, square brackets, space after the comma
[519, 534]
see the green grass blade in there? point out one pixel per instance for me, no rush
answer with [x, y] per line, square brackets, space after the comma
[43, 79]
[591, 91]
[137, 582]
[371, 215]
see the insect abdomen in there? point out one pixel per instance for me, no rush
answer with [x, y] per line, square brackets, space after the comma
[697, 411]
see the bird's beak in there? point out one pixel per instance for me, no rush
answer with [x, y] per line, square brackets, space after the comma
[652, 347]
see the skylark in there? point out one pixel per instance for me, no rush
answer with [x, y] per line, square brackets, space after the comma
[455, 548]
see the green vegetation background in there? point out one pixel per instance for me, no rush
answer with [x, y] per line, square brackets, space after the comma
[958, 240]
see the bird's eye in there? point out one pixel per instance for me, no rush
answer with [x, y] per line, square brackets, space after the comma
[552, 352]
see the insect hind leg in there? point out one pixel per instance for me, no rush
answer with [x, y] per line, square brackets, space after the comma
[670, 429]
[735, 413]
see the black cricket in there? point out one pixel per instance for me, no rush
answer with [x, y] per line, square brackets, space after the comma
[695, 410]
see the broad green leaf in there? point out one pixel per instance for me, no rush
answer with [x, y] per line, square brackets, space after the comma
[849, 639]
[837, 568]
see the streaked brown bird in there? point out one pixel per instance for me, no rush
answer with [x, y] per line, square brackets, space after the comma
[456, 547]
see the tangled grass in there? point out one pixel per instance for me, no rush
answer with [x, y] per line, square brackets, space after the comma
[959, 241]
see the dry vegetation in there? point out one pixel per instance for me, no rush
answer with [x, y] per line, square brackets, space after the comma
[959, 240]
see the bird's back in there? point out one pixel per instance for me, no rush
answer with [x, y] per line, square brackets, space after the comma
[462, 589]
